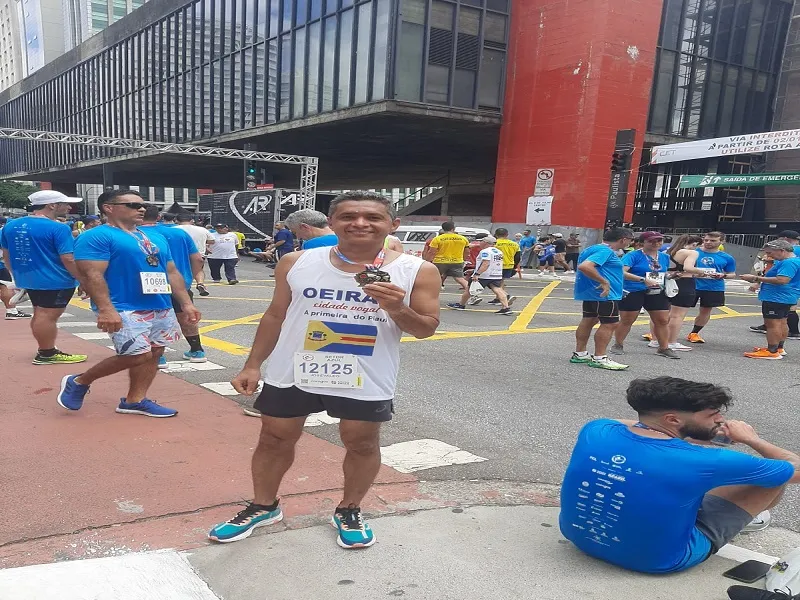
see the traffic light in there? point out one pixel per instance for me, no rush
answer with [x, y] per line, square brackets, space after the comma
[250, 175]
[619, 162]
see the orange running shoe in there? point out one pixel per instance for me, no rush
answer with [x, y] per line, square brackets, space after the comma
[764, 353]
[781, 351]
[648, 337]
[695, 338]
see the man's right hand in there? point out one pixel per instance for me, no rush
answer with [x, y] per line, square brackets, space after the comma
[247, 381]
[109, 321]
[739, 432]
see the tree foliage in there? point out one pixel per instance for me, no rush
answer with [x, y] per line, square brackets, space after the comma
[14, 194]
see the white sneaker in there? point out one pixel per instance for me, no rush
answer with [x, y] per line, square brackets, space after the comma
[570, 272]
[678, 347]
[760, 523]
[251, 412]
[654, 344]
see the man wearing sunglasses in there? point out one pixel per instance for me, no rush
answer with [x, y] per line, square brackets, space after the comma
[131, 277]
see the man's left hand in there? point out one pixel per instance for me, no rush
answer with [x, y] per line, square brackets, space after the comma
[388, 296]
[192, 314]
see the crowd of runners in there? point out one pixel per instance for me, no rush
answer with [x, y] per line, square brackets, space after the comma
[315, 355]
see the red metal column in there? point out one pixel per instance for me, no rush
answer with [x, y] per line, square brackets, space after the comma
[577, 72]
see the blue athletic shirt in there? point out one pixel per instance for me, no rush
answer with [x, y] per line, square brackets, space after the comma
[797, 251]
[288, 242]
[126, 261]
[527, 242]
[632, 501]
[321, 241]
[721, 262]
[782, 294]
[35, 246]
[608, 265]
[641, 264]
[181, 246]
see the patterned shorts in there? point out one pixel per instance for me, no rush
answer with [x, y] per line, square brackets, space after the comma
[143, 330]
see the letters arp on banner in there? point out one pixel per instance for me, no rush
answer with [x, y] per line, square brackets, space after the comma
[769, 141]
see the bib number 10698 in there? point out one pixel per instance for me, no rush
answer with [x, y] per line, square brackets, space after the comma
[326, 369]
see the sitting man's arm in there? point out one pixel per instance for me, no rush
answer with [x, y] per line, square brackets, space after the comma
[741, 432]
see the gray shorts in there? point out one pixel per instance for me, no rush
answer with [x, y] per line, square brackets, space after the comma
[450, 269]
[720, 520]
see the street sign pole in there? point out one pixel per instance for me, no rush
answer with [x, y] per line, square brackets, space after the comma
[618, 187]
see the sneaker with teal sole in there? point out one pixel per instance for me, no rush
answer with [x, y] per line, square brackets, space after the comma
[353, 531]
[71, 394]
[606, 363]
[162, 363]
[582, 360]
[245, 521]
[146, 407]
[195, 356]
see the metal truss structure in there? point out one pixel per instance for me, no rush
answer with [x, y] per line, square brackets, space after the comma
[309, 165]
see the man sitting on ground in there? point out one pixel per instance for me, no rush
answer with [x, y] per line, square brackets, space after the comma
[637, 495]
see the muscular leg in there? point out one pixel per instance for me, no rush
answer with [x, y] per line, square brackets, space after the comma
[777, 330]
[659, 323]
[274, 455]
[583, 332]
[750, 498]
[501, 295]
[626, 319]
[111, 365]
[602, 337]
[141, 376]
[676, 317]
[361, 439]
[200, 276]
[6, 295]
[703, 316]
[462, 281]
[43, 326]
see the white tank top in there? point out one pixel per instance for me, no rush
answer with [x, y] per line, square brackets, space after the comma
[321, 318]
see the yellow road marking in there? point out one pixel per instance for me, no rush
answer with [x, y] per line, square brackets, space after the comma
[84, 304]
[232, 322]
[728, 311]
[229, 347]
[526, 315]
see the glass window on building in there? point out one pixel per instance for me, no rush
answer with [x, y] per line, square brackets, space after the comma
[411, 51]
[490, 89]
[345, 57]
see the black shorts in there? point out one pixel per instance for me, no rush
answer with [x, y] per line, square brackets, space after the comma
[686, 293]
[549, 261]
[491, 283]
[291, 402]
[509, 273]
[709, 298]
[5, 275]
[51, 298]
[635, 301]
[775, 310]
[607, 311]
[177, 307]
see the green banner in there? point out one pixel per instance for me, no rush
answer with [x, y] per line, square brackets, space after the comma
[747, 179]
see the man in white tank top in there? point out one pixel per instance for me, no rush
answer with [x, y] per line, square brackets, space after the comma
[330, 339]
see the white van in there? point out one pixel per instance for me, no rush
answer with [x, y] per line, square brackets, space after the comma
[415, 236]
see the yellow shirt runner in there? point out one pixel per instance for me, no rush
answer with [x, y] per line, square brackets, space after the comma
[240, 243]
[449, 248]
[509, 248]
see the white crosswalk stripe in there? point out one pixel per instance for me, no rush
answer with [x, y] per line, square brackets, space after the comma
[417, 455]
[99, 335]
[77, 324]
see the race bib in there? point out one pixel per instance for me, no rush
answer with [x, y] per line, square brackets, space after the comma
[709, 272]
[655, 278]
[155, 283]
[327, 369]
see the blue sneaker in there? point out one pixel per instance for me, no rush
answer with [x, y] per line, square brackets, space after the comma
[72, 394]
[195, 356]
[245, 521]
[353, 532]
[146, 407]
[162, 363]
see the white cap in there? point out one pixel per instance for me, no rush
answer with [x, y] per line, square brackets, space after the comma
[45, 197]
[489, 239]
[557, 235]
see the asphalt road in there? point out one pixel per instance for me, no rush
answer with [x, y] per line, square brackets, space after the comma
[512, 397]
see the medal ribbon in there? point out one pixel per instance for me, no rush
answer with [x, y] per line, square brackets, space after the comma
[376, 264]
[145, 245]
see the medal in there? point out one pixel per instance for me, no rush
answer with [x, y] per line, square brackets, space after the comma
[149, 249]
[152, 260]
[371, 273]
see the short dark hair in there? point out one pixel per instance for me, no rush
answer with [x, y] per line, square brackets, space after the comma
[665, 394]
[480, 236]
[169, 217]
[501, 232]
[184, 217]
[716, 234]
[362, 195]
[617, 233]
[448, 226]
[110, 195]
[151, 212]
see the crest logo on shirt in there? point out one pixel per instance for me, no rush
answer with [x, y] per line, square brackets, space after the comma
[707, 261]
[346, 338]
[618, 459]
[317, 336]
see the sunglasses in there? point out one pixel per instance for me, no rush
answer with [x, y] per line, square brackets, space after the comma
[133, 205]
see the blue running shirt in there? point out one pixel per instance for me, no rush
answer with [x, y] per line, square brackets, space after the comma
[719, 262]
[126, 261]
[35, 246]
[641, 264]
[632, 500]
[782, 294]
[608, 265]
[181, 246]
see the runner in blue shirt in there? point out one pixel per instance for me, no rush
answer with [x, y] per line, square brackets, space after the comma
[283, 242]
[710, 287]
[189, 263]
[526, 243]
[779, 290]
[598, 284]
[130, 275]
[7, 290]
[311, 226]
[638, 496]
[37, 252]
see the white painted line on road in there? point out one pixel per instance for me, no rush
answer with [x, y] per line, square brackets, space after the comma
[224, 388]
[185, 365]
[417, 455]
[165, 349]
[320, 418]
[77, 324]
[739, 554]
[92, 336]
[206, 366]
[130, 577]
[66, 315]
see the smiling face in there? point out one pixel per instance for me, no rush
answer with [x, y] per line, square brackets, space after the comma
[652, 244]
[362, 222]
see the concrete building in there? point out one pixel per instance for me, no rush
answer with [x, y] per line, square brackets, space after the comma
[12, 67]
[465, 97]
[31, 35]
[84, 18]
